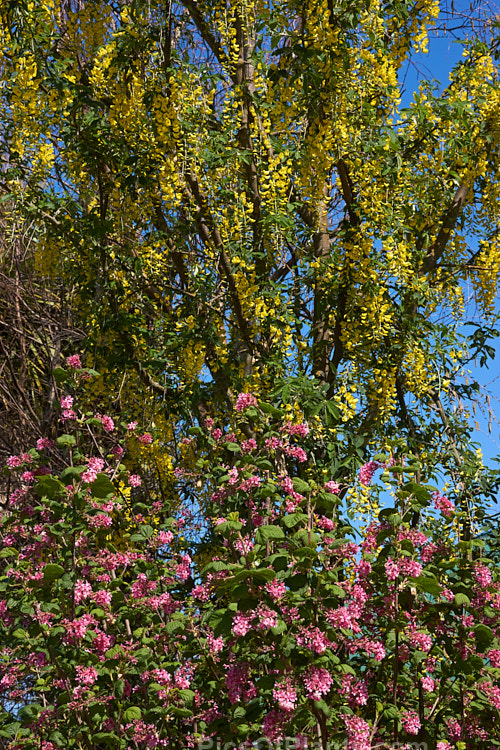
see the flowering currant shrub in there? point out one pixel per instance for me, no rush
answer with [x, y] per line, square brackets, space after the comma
[276, 622]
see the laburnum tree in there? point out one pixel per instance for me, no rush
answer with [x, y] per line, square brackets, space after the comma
[226, 198]
[233, 197]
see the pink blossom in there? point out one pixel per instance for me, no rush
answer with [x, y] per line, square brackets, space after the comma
[217, 433]
[102, 642]
[106, 422]
[134, 480]
[250, 483]
[13, 462]
[285, 694]
[182, 676]
[86, 675]
[214, 644]
[317, 682]
[443, 745]
[142, 586]
[67, 402]
[244, 401]
[358, 733]
[73, 361]
[300, 430]
[410, 722]
[494, 657]
[242, 623]
[325, 523]
[266, 618]
[145, 439]
[364, 568]
[164, 537]
[236, 682]
[428, 552]
[233, 476]
[273, 723]
[367, 471]
[332, 487]
[482, 574]
[492, 693]
[83, 590]
[313, 639]
[410, 567]
[244, 545]
[376, 648]
[391, 569]
[247, 446]
[442, 503]
[100, 521]
[276, 589]
[131, 426]
[102, 598]
[420, 640]
[355, 690]
[94, 467]
[428, 684]
[44, 443]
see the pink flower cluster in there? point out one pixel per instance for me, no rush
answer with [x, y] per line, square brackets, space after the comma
[86, 675]
[442, 503]
[355, 690]
[332, 487]
[405, 566]
[106, 422]
[411, 722]
[244, 401]
[358, 733]
[367, 471]
[317, 682]
[299, 430]
[238, 684]
[482, 574]
[66, 406]
[94, 467]
[285, 694]
[74, 362]
[276, 589]
[313, 639]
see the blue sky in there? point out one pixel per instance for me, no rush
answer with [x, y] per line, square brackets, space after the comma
[444, 53]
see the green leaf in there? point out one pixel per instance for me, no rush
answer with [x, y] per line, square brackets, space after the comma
[66, 440]
[427, 584]
[49, 486]
[461, 599]
[102, 486]
[30, 712]
[484, 636]
[51, 572]
[293, 519]
[72, 471]
[299, 485]
[9, 552]
[60, 375]
[187, 695]
[132, 714]
[268, 532]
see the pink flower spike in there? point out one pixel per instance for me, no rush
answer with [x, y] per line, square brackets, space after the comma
[73, 361]
[244, 401]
